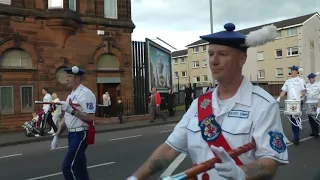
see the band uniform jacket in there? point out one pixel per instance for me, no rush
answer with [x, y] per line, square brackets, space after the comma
[251, 114]
[294, 87]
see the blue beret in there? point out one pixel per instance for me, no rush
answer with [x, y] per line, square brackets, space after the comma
[75, 70]
[294, 68]
[227, 38]
[312, 75]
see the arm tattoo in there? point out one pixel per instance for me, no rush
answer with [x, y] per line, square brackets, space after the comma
[157, 165]
[258, 171]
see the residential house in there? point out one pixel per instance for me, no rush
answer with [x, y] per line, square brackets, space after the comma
[297, 44]
[198, 63]
[38, 38]
[180, 68]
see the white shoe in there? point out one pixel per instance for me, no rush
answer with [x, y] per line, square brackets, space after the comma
[37, 135]
[51, 132]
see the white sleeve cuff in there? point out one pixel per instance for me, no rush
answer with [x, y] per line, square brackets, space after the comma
[175, 148]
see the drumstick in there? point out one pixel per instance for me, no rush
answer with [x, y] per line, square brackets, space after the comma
[53, 103]
[207, 165]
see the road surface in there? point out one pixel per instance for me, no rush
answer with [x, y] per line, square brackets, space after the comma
[117, 154]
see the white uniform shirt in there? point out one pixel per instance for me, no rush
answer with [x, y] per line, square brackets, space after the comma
[294, 87]
[57, 112]
[313, 91]
[260, 115]
[87, 100]
[46, 98]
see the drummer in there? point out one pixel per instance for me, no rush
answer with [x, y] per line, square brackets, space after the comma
[296, 89]
[313, 92]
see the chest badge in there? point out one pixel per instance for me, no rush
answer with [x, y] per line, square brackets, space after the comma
[210, 129]
[205, 103]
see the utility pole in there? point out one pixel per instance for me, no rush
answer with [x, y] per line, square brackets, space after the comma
[211, 18]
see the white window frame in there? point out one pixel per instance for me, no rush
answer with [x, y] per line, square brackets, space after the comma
[275, 53]
[186, 74]
[11, 112]
[195, 79]
[175, 61]
[277, 74]
[204, 48]
[289, 71]
[50, 3]
[289, 50]
[183, 60]
[204, 63]
[176, 75]
[195, 49]
[279, 34]
[7, 2]
[27, 86]
[259, 74]
[260, 58]
[75, 5]
[204, 79]
[196, 64]
[116, 10]
[289, 31]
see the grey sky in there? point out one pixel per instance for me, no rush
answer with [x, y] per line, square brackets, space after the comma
[181, 22]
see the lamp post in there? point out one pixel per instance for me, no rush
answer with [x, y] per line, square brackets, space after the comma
[211, 18]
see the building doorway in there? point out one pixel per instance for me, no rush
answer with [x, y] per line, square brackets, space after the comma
[112, 88]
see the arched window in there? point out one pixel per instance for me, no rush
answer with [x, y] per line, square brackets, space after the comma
[107, 61]
[15, 58]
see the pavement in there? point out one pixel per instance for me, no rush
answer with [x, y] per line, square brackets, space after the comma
[116, 155]
[15, 138]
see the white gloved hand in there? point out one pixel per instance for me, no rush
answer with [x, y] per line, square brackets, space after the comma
[132, 178]
[66, 107]
[278, 99]
[227, 168]
[318, 110]
[54, 143]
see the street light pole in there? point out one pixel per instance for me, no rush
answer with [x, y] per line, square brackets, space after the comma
[211, 18]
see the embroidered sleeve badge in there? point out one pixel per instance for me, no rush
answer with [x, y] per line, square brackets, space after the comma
[276, 142]
[90, 106]
[210, 129]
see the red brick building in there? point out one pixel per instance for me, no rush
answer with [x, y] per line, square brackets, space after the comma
[40, 37]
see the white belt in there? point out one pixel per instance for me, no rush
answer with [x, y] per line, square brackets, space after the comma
[78, 129]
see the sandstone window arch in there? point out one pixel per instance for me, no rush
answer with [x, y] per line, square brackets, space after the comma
[15, 58]
[107, 61]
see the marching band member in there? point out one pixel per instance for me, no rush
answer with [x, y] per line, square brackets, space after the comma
[313, 92]
[233, 114]
[295, 89]
[79, 121]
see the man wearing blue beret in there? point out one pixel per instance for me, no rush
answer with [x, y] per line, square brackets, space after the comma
[79, 109]
[295, 89]
[235, 113]
[313, 92]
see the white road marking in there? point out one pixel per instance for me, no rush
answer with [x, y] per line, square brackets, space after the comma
[301, 140]
[62, 147]
[56, 174]
[12, 155]
[166, 131]
[173, 166]
[115, 139]
[171, 125]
